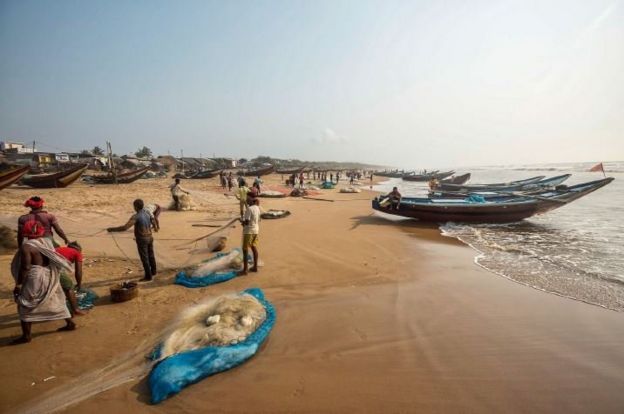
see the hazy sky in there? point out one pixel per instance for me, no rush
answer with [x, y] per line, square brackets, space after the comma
[414, 84]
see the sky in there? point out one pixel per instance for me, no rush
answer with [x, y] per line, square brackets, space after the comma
[414, 84]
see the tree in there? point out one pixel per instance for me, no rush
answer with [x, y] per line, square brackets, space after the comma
[144, 153]
[85, 152]
[97, 151]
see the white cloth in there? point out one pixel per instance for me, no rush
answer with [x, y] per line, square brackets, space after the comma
[253, 215]
[41, 297]
[176, 190]
[150, 208]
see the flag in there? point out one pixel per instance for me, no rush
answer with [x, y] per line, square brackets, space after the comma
[597, 167]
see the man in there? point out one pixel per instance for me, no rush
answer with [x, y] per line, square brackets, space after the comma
[37, 214]
[230, 181]
[176, 192]
[251, 228]
[143, 224]
[38, 291]
[433, 184]
[395, 198]
[73, 253]
[241, 194]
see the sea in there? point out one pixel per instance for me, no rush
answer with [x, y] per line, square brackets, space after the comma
[576, 251]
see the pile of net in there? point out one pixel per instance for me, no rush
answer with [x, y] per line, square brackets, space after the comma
[298, 192]
[275, 214]
[328, 185]
[86, 298]
[220, 268]
[186, 203]
[209, 338]
[350, 190]
[272, 194]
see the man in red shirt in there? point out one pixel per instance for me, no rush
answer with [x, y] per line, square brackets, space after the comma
[73, 253]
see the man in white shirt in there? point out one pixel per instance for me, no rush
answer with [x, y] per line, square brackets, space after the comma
[251, 228]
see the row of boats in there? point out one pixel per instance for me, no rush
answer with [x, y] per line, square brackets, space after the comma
[491, 203]
[63, 178]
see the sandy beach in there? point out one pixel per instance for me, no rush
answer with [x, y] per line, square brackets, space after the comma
[374, 315]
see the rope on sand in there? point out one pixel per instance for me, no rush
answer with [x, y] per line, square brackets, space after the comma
[226, 225]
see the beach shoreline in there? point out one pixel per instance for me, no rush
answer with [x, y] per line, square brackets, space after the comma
[372, 315]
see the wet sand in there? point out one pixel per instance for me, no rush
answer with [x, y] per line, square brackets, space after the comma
[374, 315]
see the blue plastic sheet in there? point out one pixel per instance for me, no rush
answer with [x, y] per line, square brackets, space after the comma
[86, 298]
[475, 198]
[176, 372]
[327, 185]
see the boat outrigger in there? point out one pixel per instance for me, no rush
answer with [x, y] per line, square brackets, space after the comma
[124, 178]
[12, 175]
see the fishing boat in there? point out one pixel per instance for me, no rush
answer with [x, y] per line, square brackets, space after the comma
[206, 174]
[513, 186]
[459, 179]
[428, 176]
[390, 174]
[59, 179]
[561, 192]
[297, 170]
[480, 210]
[123, 178]
[257, 173]
[12, 175]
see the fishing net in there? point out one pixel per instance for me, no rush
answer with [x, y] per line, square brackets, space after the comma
[201, 344]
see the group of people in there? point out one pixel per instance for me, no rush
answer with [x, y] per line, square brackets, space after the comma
[44, 290]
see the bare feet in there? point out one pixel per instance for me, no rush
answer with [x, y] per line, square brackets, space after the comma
[20, 340]
[145, 279]
[69, 327]
[242, 273]
[80, 312]
[253, 269]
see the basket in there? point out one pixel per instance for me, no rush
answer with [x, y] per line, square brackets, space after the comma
[125, 291]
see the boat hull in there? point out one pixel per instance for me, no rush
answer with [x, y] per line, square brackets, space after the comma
[12, 176]
[126, 178]
[257, 173]
[60, 179]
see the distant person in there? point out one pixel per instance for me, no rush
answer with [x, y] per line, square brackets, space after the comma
[433, 184]
[352, 178]
[73, 253]
[38, 291]
[395, 198]
[143, 224]
[301, 180]
[337, 177]
[39, 215]
[230, 181]
[251, 229]
[258, 183]
[241, 194]
[331, 177]
[176, 192]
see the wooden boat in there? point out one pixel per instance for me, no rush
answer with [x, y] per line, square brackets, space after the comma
[257, 173]
[459, 179]
[206, 174]
[12, 175]
[560, 192]
[59, 179]
[513, 186]
[427, 177]
[297, 170]
[390, 174]
[124, 178]
[504, 210]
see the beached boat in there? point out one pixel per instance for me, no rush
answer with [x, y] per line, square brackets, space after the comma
[390, 174]
[291, 170]
[481, 210]
[427, 177]
[513, 186]
[124, 178]
[459, 179]
[59, 179]
[561, 192]
[257, 173]
[12, 175]
[206, 174]
[506, 184]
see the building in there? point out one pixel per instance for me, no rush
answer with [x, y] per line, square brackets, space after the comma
[16, 148]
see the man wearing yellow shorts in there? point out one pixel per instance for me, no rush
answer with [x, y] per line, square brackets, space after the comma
[251, 228]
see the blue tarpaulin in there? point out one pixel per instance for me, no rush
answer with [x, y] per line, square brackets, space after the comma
[176, 372]
[206, 280]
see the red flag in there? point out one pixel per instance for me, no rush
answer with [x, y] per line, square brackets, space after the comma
[597, 167]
